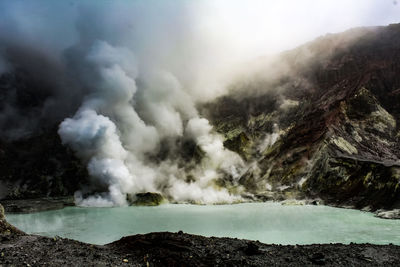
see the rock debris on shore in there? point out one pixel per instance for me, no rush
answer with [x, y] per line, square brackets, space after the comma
[180, 249]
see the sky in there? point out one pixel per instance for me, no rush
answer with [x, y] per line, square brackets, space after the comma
[270, 26]
[251, 27]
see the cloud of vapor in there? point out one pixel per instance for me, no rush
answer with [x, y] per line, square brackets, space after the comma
[125, 78]
[129, 111]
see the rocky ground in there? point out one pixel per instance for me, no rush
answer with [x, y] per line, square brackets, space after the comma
[180, 249]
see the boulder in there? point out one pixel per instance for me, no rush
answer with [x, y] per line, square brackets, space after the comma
[7, 229]
[145, 199]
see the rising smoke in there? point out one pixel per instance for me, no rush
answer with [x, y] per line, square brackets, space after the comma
[109, 134]
[135, 103]
[125, 79]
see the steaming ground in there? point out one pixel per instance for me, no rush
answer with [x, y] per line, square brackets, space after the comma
[125, 80]
[132, 110]
[126, 77]
[115, 140]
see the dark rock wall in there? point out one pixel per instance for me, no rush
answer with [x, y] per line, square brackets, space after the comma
[341, 141]
[39, 166]
[33, 162]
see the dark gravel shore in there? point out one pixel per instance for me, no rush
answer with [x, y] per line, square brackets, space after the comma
[179, 249]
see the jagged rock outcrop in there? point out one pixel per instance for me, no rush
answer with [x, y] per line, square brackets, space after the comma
[6, 229]
[327, 126]
[33, 162]
[146, 199]
[39, 166]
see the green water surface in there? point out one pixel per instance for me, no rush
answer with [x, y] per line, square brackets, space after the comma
[266, 222]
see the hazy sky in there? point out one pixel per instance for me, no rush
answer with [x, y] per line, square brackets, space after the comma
[278, 25]
[195, 37]
[246, 26]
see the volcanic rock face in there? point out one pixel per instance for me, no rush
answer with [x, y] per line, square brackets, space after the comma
[7, 229]
[323, 122]
[39, 166]
[33, 162]
[146, 199]
[328, 127]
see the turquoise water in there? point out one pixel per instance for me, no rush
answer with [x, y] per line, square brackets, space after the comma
[266, 222]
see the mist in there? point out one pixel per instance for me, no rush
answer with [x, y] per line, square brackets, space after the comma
[125, 79]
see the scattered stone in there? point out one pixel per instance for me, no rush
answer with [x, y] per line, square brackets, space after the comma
[314, 202]
[388, 214]
[318, 258]
[293, 202]
[252, 249]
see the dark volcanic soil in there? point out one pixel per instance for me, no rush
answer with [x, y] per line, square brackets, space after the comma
[179, 249]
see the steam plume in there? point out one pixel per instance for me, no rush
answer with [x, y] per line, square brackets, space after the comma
[125, 78]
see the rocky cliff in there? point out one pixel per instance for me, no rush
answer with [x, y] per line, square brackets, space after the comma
[327, 126]
[33, 162]
[322, 121]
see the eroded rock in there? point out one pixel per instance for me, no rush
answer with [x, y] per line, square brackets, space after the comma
[146, 199]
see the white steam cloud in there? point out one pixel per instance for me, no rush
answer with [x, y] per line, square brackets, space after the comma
[109, 134]
[138, 70]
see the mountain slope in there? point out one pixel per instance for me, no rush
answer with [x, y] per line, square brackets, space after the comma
[334, 110]
[321, 121]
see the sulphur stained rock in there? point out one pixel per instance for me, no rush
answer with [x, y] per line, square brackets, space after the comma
[341, 140]
[7, 229]
[146, 199]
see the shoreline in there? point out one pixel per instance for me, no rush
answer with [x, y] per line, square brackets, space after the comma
[180, 249]
[33, 205]
[21, 206]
